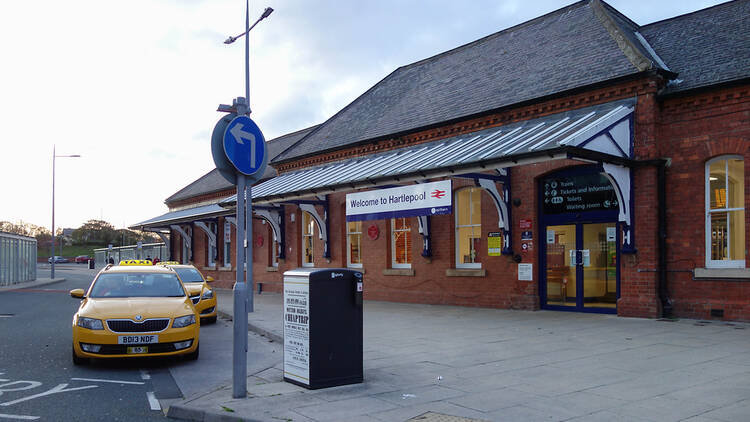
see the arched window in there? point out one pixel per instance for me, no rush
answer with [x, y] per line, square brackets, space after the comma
[400, 243]
[308, 231]
[725, 212]
[468, 227]
[354, 244]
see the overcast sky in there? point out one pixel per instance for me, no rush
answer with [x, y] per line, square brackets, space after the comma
[133, 85]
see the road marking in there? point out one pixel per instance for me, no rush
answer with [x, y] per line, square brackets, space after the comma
[152, 401]
[18, 417]
[59, 389]
[28, 385]
[145, 375]
[110, 381]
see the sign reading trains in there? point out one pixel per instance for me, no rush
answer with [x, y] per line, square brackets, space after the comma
[578, 193]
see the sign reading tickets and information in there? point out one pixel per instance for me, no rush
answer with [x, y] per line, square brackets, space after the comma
[297, 330]
[578, 193]
[404, 201]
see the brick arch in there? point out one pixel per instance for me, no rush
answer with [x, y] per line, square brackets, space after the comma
[726, 146]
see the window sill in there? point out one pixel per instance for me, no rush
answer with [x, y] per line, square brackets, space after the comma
[465, 272]
[404, 272]
[225, 268]
[725, 273]
[209, 268]
[272, 269]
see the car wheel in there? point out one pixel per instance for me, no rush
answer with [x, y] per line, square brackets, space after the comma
[78, 360]
[209, 320]
[194, 355]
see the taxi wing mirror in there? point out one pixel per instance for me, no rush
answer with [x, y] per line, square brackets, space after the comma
[77, 293]
[209, 279]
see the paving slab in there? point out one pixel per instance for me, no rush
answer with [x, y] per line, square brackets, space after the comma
[499, 365]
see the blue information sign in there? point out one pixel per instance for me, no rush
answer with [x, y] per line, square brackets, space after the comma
[245, 146]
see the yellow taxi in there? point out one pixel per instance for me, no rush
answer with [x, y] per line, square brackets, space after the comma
[201, 294]
[135, 309]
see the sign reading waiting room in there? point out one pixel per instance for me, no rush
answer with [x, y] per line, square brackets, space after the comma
[404, 201]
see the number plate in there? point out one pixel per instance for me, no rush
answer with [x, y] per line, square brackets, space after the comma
[139, 349]
[142, 339]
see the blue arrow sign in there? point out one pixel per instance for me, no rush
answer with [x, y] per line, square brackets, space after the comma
[245, 146]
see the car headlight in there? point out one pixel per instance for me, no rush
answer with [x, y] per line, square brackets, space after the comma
[208, 294]
[90, 323]
[183, 321]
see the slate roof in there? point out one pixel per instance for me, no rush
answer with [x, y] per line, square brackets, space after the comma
[585, 43]
[707, 47]
[214, 182]
[566, 49]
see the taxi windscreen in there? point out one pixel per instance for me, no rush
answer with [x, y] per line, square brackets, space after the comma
[189, 275]
[137, 285]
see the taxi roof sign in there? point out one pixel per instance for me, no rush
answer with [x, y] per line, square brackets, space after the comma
[169, 263]
[136, 262]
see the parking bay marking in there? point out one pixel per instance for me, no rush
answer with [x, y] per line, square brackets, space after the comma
[152, 401]
[18, 417]
[110, 381]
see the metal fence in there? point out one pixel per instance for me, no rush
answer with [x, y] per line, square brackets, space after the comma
[17, 259]
[147, 250]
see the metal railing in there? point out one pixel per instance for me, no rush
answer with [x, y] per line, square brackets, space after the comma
[153, 250]
[17, 259]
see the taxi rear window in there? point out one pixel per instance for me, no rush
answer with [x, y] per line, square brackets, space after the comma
[189, 275]
[137, 285]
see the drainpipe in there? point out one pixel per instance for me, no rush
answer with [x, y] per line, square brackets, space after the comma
[666, 301]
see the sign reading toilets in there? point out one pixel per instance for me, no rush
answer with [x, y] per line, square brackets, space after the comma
[404, 201]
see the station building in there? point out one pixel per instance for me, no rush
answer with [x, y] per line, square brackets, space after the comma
[578, 161]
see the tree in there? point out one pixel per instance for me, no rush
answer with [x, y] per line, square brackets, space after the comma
[95, 232]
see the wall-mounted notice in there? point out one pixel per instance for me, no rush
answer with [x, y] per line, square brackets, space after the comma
[297, 330]
[494, 243]
[525, 272]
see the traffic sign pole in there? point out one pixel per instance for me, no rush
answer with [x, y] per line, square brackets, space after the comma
[239, 351]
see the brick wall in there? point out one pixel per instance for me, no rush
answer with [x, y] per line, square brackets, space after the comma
[691, 131]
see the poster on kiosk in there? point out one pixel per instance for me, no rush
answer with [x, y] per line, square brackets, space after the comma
[323, 327]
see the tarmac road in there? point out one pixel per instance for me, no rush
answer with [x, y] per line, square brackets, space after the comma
[39, 382]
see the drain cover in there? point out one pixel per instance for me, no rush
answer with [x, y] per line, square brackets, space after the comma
[439, 417]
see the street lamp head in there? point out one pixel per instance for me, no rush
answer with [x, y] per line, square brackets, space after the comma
[266, 13]
[230, 40]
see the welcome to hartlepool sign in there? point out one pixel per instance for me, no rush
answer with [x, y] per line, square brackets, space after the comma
[404, 201]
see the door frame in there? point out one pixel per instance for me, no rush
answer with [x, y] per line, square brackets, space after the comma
[578, 219]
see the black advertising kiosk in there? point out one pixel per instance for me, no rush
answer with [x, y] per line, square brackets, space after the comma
[322, 327]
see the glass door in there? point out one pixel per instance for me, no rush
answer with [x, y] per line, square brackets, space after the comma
[561, 269]
[581, 266]
[598, 259]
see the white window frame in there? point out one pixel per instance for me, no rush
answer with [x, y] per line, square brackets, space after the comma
[460, 264]
[227, 259]
[310, 222]
[211, 250]
[274, 252]
[712, 263]
[394, 230]
[349, 236]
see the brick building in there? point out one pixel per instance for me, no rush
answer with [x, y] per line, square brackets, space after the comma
[588, 163]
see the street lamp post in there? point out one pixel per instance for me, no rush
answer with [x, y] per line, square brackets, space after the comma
[54, 155]
[243, 289]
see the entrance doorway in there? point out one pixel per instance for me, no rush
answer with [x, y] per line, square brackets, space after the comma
[581, 268]
[579, 237]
